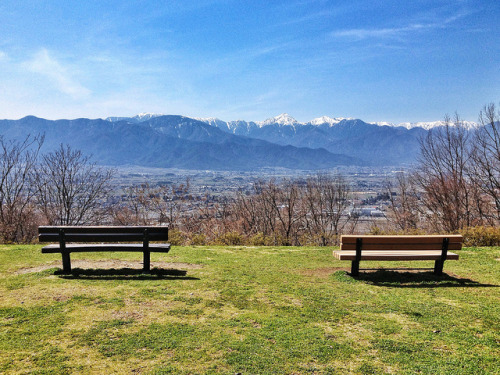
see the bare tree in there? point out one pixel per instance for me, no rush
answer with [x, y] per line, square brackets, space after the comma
[485, 166]
[135, 207]
[325, 200]
[146, 205]
[255, 211]
[267, 203]
[285, 202]
[404, 203]
[17, 162]
[273, 210]
[72, 190]
[247, 209]
[442, 176]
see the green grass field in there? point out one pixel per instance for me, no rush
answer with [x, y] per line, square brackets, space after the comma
[262, 310]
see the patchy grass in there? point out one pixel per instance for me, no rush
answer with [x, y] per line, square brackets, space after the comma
[249, 310]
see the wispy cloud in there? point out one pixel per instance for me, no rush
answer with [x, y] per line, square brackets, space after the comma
[60, 77]
[398, 32]
[381, 33]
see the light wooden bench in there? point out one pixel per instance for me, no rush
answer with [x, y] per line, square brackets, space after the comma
[103, 238]
[398, 248]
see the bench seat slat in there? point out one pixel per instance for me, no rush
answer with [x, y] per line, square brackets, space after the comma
[410, 246]
[102, 229]
[369, 239]
[102, 237]
[393, 255]
[73, 248]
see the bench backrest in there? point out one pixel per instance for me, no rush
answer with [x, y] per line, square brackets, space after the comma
[102, 233]
[434, 242]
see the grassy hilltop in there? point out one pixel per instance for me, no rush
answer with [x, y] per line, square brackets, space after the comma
[249, 310]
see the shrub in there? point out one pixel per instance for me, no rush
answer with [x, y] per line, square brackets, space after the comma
[375, 230]
[176, 237]
[481, 236]
[259, 239]
[230, 238]
[319, 240]
[198, 239]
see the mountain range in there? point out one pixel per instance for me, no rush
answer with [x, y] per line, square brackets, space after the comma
[374, 144]
[183, 142]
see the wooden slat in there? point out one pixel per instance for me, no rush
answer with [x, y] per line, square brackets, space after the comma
[72, 248]
[454, 238]
[394, 255]
[102, 233]
[103, 237]
[401, 246]
[102, 229]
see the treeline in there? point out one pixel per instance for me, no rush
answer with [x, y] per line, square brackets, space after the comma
[456, 184]
[310, 211]
[62, 187]
[454, 187]
[278, 213]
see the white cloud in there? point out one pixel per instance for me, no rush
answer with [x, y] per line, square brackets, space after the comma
[382, 33]
[397, 32]
[59, 76]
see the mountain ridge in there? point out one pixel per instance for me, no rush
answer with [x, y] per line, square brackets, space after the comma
[380, 145]
[286, 119]
[173, 140]
[170, 141]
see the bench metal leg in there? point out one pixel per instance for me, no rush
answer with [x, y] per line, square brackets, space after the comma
[438, 267]
[147, 261]
[66, 262]
[355, 262]
[355, 268]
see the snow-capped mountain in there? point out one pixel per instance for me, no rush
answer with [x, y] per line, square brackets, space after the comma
[283, 119]
[286, 120]
[146, 116]
[430, 125]
[151, 139]
[170, 142]
[381, 143]
[469, 125]
[353, 137]
[141, 117]
[328, 120]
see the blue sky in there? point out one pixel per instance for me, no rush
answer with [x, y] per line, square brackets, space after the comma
[375, 60]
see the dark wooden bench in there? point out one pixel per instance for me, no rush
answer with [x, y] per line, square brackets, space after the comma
[398, 248]
[73, 239]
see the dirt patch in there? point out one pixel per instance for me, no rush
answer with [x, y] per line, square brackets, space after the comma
[25, 270]
[108, 264]
[322, 272]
